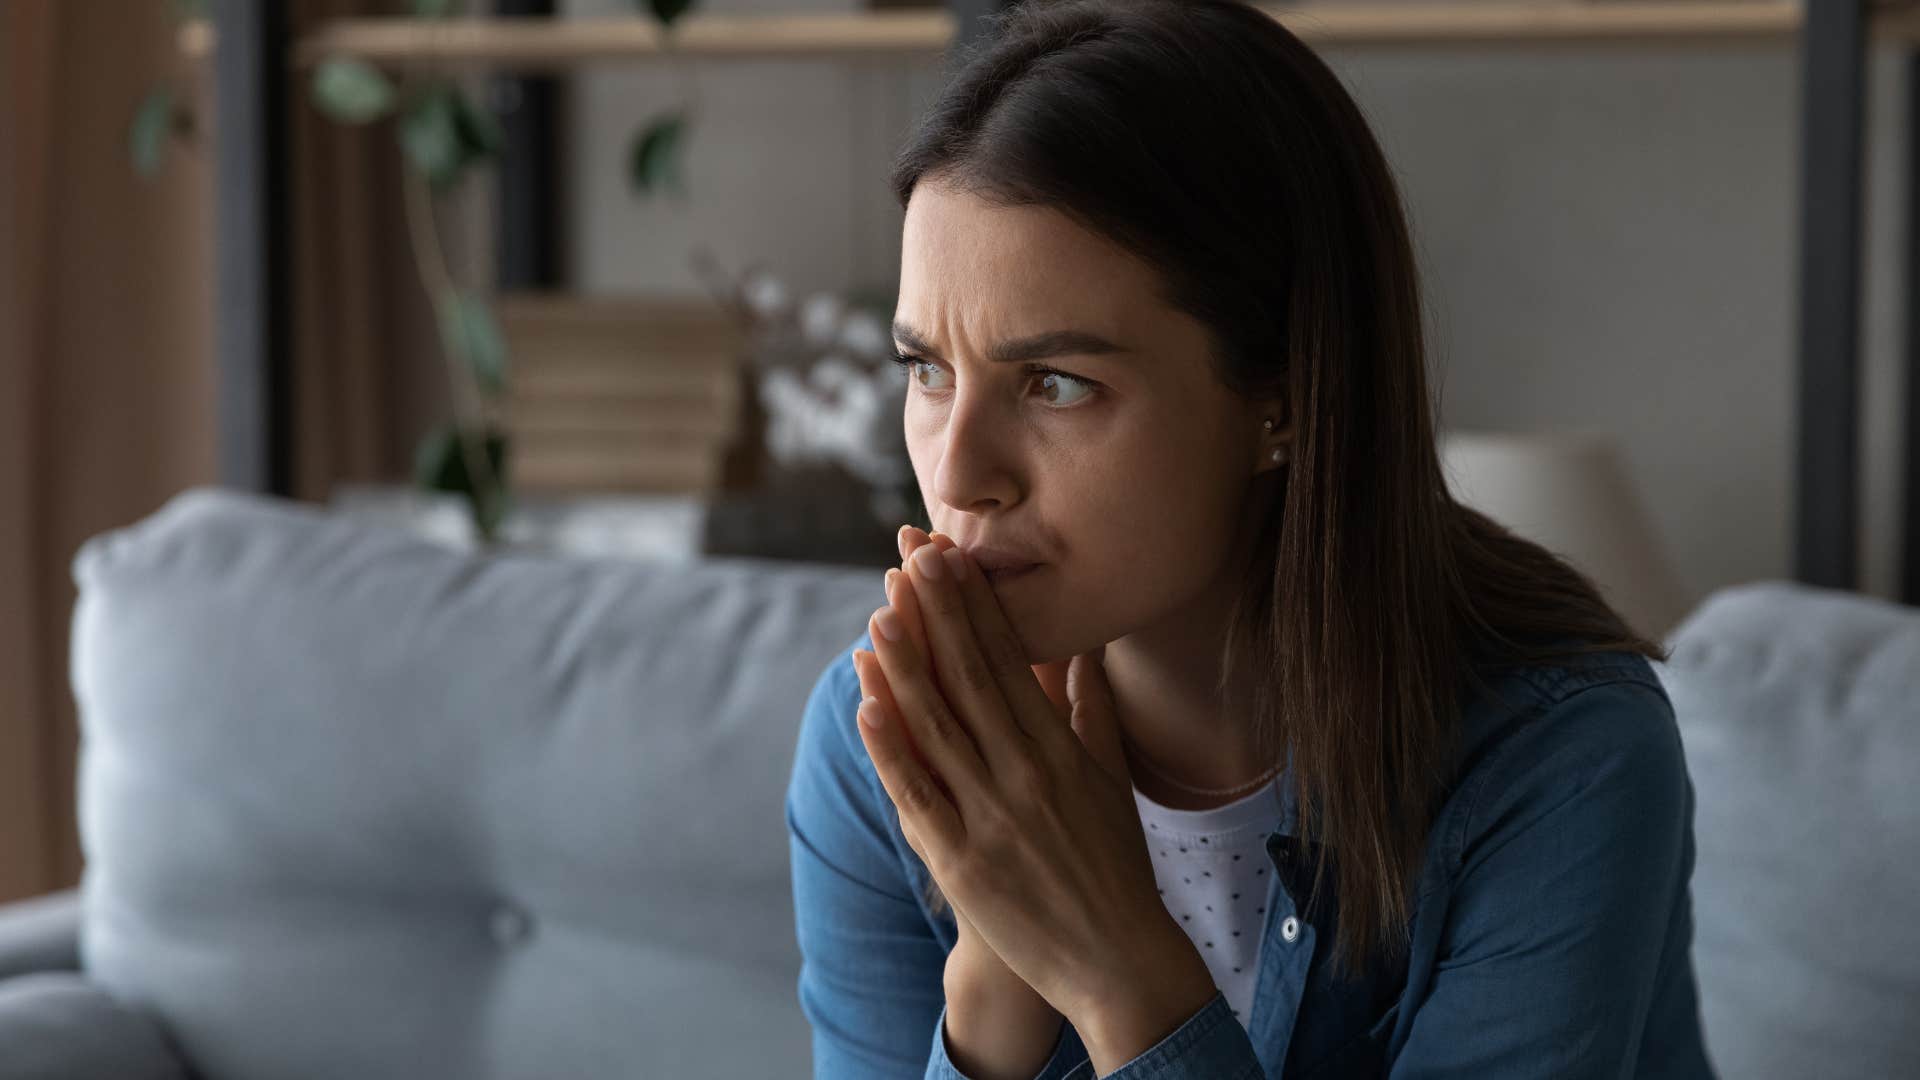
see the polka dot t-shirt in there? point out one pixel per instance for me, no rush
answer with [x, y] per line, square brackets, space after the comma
[1213, 872]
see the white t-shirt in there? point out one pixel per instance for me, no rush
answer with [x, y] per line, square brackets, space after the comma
[1213, 872]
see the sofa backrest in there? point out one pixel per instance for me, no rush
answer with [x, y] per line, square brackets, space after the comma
[1799, 710]
[355, 804]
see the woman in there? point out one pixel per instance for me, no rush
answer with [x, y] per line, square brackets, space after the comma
[1208, 737]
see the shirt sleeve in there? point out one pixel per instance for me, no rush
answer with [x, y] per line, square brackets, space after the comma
[871, 969]
[1569, 897]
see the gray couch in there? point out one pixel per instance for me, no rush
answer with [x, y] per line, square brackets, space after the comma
[356, 805]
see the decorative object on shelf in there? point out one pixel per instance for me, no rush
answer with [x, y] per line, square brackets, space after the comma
[1569, 492]
[825, 383]
[621, 394]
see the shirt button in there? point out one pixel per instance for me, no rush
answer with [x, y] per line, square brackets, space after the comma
[1290, 929]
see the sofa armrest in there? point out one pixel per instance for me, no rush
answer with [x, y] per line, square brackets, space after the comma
[60, 1026]
[41, 934]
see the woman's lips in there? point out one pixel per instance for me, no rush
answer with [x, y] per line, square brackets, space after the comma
[1015, 573]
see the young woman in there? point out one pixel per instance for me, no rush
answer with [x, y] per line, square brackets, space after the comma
[1208, 736]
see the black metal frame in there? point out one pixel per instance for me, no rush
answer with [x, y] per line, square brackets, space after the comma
[1827, 510]
[527, 198]
[1910, 414]
[1834, 54]
[253, 283]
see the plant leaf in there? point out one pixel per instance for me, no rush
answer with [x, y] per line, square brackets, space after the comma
[440, 464]
[435, 459]
[668, 10]
[654, 163]
[468, 330]
[479, 132]
[430, 136]
[351, 91]
[147, 135]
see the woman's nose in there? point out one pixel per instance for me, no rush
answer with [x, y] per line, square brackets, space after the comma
[978, 467]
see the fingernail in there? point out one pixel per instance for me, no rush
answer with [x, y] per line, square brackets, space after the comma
[957, 563]
[889, 622]
[930, 562]
[900, 540]
[869, 712]
[891, 574]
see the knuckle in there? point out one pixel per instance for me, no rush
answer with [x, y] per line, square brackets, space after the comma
[918, 794]
[975, 676]
[1002, 652]
[940, 724]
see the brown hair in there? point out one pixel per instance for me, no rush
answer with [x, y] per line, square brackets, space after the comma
[1207, 139]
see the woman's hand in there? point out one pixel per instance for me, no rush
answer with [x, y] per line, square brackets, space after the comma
[996, 1024]
[970, 958]
[1021, 808]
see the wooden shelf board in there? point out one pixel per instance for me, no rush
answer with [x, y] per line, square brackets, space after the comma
[541, 42]
[549, 43]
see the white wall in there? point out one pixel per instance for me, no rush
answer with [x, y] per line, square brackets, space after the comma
[1607, 236]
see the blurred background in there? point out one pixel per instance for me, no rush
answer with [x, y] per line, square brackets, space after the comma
[611, 279]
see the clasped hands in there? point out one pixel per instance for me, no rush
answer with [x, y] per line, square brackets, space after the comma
[1012, 787]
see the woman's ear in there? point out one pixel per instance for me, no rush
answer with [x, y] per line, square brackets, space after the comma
[1276, 438]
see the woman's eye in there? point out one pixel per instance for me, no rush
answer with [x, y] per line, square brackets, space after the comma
[918, 370]
[1060, 378]
[1058, 388]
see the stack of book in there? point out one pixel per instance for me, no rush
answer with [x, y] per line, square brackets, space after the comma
[622, 394]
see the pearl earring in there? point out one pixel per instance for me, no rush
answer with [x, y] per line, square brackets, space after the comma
[1268, 424]
[1276, 454]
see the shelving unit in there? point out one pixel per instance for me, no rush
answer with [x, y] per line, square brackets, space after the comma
[1832, 36]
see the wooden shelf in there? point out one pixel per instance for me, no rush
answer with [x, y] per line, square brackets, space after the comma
[546, 43]
[550, 43]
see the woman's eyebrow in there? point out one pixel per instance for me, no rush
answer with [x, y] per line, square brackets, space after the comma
[1021, 350]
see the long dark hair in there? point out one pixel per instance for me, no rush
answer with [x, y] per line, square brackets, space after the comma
[1208, 140]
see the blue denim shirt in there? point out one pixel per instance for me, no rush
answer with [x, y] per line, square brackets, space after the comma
[1550, 937]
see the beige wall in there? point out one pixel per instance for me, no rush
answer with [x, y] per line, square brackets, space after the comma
[106, 382]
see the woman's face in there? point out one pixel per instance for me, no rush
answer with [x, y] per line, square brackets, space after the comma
[1126, 475]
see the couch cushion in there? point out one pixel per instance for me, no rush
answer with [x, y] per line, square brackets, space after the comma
[1800, 712]
[61, 1026]
[355, 804]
